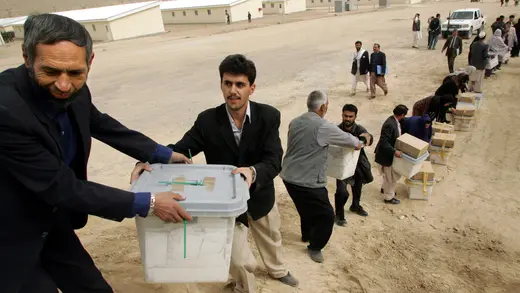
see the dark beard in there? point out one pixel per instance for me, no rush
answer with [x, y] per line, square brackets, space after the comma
[46, 94]
[347, 125]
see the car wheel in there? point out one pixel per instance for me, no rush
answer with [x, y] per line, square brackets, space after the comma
[470, 32]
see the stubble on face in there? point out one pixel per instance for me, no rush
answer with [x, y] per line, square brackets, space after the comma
[236, 90]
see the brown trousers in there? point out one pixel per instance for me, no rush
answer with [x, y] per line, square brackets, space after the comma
[268, 239]
[380, 81]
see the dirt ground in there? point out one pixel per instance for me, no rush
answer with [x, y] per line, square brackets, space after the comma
[466, 238]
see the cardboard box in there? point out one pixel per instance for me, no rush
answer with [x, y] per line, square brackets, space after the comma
[411, 145]
[444, 139]
[427, 169]
[443, 127]
[465, 110]
[468, 98]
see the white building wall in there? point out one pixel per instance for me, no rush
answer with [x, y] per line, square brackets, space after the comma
[293, 6]
[239, 11]
[146, 22]
[7, 28]
[320, 3]
[272, 7]
[277, 6]
[18, 31]
[203, 15]
[99, 31]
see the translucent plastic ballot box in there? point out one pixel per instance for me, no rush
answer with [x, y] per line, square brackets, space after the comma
[407, 166]
[419, 189]
[197, 251]
[341, 162]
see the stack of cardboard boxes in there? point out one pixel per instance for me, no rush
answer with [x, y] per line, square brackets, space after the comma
[415, 151]
[420, 186]
[441, 146]
[465, 113]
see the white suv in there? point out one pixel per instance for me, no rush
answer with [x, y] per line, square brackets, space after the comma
[467, 21]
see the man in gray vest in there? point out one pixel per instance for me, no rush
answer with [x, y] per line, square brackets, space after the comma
[304, 170]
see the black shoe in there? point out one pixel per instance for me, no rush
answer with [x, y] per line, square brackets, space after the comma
[393, 201]
[289, 280]
[340, 222]
[360, 211]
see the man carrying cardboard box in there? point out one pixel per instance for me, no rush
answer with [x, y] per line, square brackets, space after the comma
[385, 153]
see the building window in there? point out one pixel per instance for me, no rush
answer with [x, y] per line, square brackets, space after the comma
[196, 12]
[173, 13]
[94, 27]
[106, 27]
[272, 5]
[280, 5]
[209, 12]
[184, 13]
[263, 5]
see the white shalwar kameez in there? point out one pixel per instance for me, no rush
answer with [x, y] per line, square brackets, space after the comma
[358, 77]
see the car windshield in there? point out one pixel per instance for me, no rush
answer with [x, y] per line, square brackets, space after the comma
[462, 15]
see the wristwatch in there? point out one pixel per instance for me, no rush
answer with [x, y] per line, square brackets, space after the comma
[152, 203]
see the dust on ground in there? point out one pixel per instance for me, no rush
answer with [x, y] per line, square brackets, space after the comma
[464, 239]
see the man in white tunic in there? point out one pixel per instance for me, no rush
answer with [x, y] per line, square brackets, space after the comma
[360, 64]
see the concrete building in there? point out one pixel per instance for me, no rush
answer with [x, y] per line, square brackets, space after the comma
[6, 24]
[283, 6]
[320, 3]
[209, 11]
[114, 22]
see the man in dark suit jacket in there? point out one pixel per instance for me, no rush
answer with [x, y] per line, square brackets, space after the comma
[377, 59]
[46, 128]
[244, 134]
[385, 153]
[453, 47]
[479, 59]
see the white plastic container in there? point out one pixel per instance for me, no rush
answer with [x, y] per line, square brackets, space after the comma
[407, 166]
[492, 62]
[198, 251]
[341, 162]
[462, 123]
[418, 189]
[439, 155]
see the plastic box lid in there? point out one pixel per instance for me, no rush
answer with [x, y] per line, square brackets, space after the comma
[414, 160]
[222, 195]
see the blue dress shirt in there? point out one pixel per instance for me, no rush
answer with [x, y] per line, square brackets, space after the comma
[68, 142]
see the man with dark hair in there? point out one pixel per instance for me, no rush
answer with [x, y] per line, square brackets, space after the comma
[362, 175]
[495, 25]
[453, 48]
[304, 171]
[377, 70]
[479, 58]
[434, 30]
[360, 64]
[385, 153]
[48, 121]
[244, 133]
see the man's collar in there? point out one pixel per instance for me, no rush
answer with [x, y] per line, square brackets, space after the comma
[248, 112]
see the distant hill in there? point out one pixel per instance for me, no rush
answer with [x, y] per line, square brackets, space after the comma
[12, 8]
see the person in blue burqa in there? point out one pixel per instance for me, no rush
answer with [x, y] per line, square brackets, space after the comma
[418, 126]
